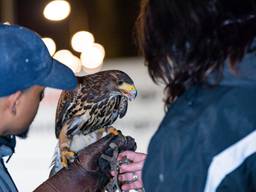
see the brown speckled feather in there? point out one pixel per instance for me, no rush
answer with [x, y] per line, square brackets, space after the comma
[94, 104]
[64, 102]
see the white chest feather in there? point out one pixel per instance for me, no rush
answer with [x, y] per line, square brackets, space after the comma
[80, 141]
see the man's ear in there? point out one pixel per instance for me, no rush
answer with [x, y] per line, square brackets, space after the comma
[13, 100]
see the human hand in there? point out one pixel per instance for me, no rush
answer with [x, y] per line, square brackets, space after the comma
[131, 174]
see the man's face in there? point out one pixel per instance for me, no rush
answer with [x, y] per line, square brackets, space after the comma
[25, 110]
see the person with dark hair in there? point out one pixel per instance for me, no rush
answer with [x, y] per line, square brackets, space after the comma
[203, 51]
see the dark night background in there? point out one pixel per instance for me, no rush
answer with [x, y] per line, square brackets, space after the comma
[110, 21]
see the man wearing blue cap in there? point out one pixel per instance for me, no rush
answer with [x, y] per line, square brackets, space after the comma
[25, 69]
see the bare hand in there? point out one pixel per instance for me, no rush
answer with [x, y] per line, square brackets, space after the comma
[131, 174]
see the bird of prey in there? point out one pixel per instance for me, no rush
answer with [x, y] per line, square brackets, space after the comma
[97, 101]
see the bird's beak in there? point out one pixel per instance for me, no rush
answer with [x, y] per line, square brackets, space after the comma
[129, 90]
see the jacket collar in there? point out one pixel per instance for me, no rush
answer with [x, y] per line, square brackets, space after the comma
[7, 145]
[245, 75]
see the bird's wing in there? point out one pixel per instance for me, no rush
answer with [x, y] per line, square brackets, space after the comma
[65, 102]
[99, 115]
[123, 105]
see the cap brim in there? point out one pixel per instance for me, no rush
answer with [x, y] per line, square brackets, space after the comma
[60, 77]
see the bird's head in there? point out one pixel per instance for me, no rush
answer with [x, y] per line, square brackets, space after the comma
[113, 82]
[127, 89]
[124, 84]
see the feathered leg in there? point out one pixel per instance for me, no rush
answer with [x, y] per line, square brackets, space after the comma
[64, 143]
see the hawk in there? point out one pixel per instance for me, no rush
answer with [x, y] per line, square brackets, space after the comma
[97, 101]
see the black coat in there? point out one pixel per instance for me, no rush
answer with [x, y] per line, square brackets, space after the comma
[207, 140]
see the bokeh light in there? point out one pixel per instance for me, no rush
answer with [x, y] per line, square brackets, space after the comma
[66, 57]
[82, 40]
[91, 71]
[50, 44]
[93, 57]
[57, 10]
[7, 23]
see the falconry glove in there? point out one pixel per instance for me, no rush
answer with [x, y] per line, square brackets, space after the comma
[89, 172]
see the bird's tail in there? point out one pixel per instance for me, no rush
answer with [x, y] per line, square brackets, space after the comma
[56, 161]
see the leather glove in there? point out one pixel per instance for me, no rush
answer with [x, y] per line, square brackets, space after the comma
[88, 173]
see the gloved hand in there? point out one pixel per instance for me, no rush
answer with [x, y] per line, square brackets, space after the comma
[87, 172]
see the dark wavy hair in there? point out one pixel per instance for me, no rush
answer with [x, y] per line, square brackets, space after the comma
[183, 41]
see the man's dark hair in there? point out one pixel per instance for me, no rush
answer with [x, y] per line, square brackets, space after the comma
[184, 41]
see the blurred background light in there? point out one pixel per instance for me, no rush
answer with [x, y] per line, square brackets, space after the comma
[50, 44]
[66, 57]
[93, 56]
[82, 40]
[91, 71]
[7, 23]
[57, 10]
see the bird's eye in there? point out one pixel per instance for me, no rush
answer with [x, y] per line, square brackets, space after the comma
[120, 83]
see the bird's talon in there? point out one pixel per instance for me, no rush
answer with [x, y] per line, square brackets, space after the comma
[67, 157]
[113, 131]
[64, 162]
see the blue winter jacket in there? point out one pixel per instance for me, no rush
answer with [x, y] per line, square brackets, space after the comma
[7, 145]
[207, 140]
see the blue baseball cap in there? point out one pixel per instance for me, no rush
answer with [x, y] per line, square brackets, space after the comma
[25, 62]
